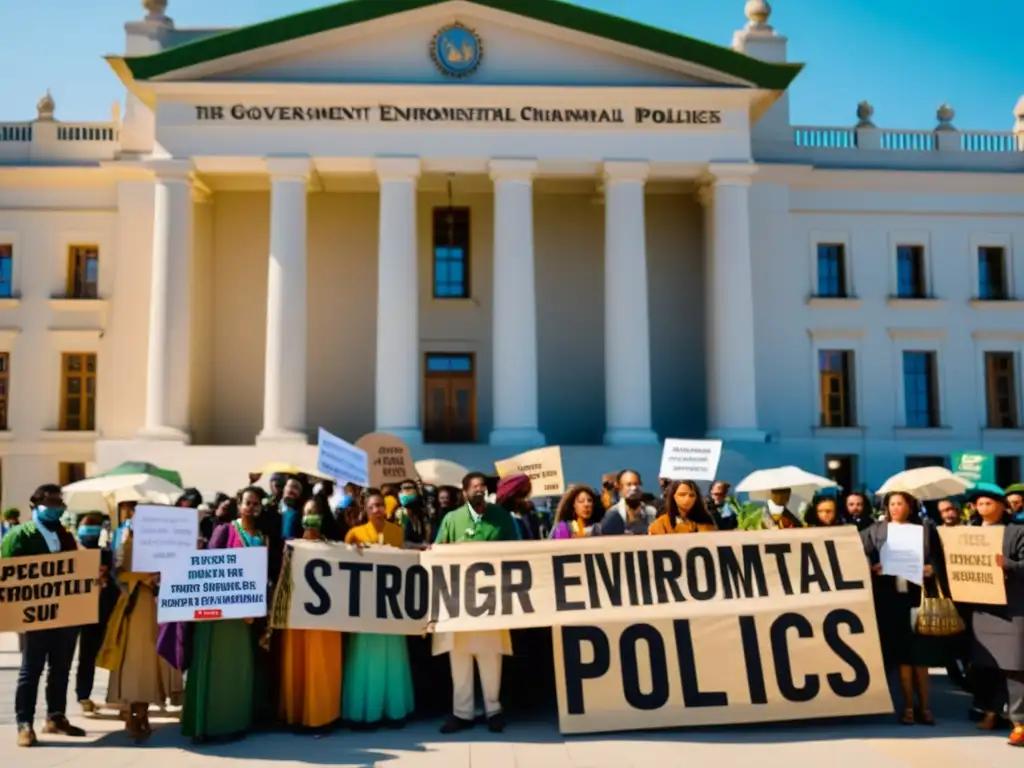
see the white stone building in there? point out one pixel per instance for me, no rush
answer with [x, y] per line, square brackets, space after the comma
[486, 226]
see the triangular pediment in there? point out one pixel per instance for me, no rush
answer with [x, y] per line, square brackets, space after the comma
[515, 42]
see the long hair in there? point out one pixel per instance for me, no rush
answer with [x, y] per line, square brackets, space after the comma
[698, 512]
[911, 501]
[811, 519]
[566, 512]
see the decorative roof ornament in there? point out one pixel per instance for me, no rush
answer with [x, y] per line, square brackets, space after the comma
[758, 12]
[45, 108]
[864, 114]
[155, 10]
[945, 114]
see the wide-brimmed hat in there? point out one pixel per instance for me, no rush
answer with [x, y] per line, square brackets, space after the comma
[1017, 488]
[986, 491]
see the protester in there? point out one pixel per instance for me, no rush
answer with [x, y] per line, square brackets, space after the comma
[858, 510]
[475, 521]
[90, 637]
[630, 515]
[448, 498]
[291, 509]
[412, 516]
[578, 514]
[895, 600]
[52, 648]
[513, 495]
[1015, 501]
[684, 511]
[777, 514]
[723, 508]
[998, 649]
[378, 680]
[311, 668]
[949, 513]
[822, 513]
[11, 520]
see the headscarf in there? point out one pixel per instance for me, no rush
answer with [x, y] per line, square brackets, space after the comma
[511, 486]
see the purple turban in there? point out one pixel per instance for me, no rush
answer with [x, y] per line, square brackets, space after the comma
[511, 486]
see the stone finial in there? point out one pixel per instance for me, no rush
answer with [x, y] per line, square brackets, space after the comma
[45, 107]
[864, 114]
[155, 9]
[758, 12]
[945, 114]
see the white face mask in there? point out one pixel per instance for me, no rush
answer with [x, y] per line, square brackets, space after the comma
[775, 509]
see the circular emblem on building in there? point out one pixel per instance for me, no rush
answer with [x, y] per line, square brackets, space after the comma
[456, 50]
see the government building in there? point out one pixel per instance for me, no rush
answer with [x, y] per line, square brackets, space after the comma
[491, 225]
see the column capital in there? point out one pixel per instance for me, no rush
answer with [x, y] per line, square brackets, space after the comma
[735, 174]
[511, 169]
[171, 170]
[284, 168]
[625, 170]
[397, 168]
[706, 194]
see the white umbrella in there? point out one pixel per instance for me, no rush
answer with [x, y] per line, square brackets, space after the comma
[803, 485]
[104, 493]
[441, 472]
[926, 483]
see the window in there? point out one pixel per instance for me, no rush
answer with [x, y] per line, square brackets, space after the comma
[832, 270]
[5, 383]
[992, 278]
[83, 272]
[919, 462]
[6, 271]
[910, 279]
[450, 399]
[78, 392]
[1007, 470]
[920, 389]
[451, 253]
[1001, 390]
[71, 472]
[835, 376]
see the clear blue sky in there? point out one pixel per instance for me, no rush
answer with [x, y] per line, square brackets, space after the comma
[904, 56]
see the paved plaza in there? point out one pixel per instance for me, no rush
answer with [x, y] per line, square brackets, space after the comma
[859, 743]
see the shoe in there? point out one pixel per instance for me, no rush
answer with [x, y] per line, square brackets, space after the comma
[989, 722]
[496, 723]
[88, 706]
[453, 724]
[1017, 736]
[60, 724]
[26, 736]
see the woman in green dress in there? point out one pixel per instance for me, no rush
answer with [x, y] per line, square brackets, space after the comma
[221, 688]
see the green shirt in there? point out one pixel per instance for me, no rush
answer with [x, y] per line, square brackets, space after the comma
[27, 541]
[495, 524]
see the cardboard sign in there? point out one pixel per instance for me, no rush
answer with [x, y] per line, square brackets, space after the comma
[215, 584]
[390, 460]
[340, 460]
[542, 465]
[49, 591]
[690, 459]
[970, 553]
[162, 536]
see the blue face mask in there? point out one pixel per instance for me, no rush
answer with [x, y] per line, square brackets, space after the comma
[89, 534]
[50, 515]
[405, 499]
[344, 501]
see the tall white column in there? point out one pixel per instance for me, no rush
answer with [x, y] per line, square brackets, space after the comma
[627, 333]
[731, 381]
[284, 378]
[167, 373]
[514, 312]
[398, 306]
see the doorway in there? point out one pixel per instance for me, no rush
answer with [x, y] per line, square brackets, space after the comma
[449, 398]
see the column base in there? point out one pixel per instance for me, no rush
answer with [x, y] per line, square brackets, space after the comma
[738, 435]
[282, 436]
[163, 435]
[408, 435]
[518, 436]
[625, 436]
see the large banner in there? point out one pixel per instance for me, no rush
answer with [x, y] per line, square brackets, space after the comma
[49, 591]
[650, 631]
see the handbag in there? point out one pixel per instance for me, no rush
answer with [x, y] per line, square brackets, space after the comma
[938, 616]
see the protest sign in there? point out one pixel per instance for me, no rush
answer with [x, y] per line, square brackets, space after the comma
[49, 591]
[902, 553]
[390, 460]
[970, 553]
[975, 467]
[215, 584]
[542, 465]
[340, 460]
[690, 459]
[161, 536]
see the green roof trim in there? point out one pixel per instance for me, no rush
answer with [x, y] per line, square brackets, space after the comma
[766, 75]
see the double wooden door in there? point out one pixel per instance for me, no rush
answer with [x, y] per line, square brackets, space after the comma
[449, 399]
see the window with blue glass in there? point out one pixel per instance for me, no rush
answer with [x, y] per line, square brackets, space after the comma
[451, 253]
[920, 389]
[992, 278]
[832, 271]
[910, 276]
[449, 363]
[6, 271]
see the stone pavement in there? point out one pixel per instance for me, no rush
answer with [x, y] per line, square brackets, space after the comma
[857, 743]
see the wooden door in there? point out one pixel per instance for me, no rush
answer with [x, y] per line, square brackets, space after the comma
[449, 399]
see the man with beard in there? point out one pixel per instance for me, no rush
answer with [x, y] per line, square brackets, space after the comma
[630, 515]
[722, 508]
[950, 513]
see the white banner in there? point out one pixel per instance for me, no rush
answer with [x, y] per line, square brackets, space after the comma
[215, 584]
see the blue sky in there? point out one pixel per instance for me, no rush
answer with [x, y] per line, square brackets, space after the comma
[904, 56]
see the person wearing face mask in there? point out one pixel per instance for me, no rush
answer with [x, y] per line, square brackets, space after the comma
[477, 521]
[412, 516]
[630, 515]
[777, 514]
[90, 637]
[291, 510]
[43, 535]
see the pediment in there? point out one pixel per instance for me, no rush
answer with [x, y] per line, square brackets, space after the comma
[521, 42]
